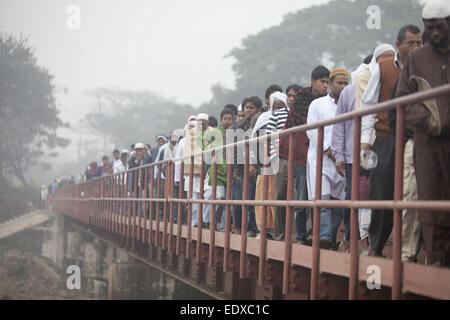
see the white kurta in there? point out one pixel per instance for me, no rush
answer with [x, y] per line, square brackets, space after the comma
[332, 183]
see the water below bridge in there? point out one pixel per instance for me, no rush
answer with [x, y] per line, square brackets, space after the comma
[34, 265]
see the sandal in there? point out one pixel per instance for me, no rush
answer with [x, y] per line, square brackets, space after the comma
[344, 246]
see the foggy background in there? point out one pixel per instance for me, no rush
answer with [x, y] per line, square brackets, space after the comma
[181, 52]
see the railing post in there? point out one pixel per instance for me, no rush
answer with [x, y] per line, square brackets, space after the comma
[152, 205]
[289, 212]
[165, 205]
[226, 246]
[316, 221]
[354, 229]
[200, 213]
[180, 209]
[212, 223]
[263, 240]
[171, 180]
[189, 218]
[158, 196]
[398, 196]
[243, 253]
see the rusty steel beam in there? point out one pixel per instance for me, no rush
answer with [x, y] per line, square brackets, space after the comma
[226, 248]
[289, 212]
[263, 243]
[244, 214]
[354, 226]
[435, 205]
[189, 217]
[139, 218]
[150, 216]
[180, 215]
[398, 195]
[316, 223]
[171, 189]
[146, 204]
[165, 204]
[212, 222]
[198, 251]
[158, 195]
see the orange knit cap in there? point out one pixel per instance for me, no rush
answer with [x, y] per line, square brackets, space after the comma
[339, 71]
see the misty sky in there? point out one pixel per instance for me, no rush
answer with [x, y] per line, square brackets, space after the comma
[175, 48]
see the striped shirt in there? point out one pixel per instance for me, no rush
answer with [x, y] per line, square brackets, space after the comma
[276, 124]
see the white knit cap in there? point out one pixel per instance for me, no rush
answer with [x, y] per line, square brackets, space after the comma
[202, 116]
[382, 48]
[125, 151]
[277, 95]
[139, 146]
[436, 9]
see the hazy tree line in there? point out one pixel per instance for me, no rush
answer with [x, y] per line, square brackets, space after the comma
[335, 34]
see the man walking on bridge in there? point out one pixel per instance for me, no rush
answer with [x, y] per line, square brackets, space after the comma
[333, 184]
[429, 67]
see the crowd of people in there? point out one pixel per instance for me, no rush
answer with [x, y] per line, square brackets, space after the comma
[419, 61]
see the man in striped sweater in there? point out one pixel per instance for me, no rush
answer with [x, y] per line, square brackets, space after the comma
[280, 166]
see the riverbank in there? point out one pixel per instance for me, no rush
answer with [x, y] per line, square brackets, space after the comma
[25, 276]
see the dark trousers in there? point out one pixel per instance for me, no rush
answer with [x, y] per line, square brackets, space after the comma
[237, 190]
[302, 194]
[280, 186]
[348, 196]
[382, 188]
[437, 244]
[176, 188]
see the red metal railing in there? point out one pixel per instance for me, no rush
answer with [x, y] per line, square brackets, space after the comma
[106, 204]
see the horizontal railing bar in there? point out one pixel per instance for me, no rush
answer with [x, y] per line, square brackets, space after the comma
[434, 205]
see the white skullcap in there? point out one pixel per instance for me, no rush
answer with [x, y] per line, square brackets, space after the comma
[436, 9]
[174, 136]
[279, 96]
[382, 48]
[202, 116]
[161, 137]
[139, 146]
[125, 151]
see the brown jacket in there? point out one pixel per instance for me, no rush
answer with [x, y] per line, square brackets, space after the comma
[389, 74]
[430, 122]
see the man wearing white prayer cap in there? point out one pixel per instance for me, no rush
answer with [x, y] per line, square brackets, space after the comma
[384, 74]
[429, 121]
[203, 118]
[362, 77]
[122, 165]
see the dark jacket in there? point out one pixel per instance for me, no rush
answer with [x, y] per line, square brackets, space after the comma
[138, 173]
